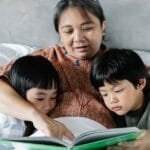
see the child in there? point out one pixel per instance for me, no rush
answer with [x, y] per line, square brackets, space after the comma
[36, 80]
[123, 81]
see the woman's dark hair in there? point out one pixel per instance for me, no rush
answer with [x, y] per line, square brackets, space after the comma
[32, 71]
[92, 6]
[118, 64]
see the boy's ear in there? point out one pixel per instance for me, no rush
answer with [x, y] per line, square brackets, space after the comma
[142, 83]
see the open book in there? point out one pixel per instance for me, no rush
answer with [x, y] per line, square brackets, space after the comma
[89, 135]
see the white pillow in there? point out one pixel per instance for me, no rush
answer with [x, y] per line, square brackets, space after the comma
[9, 51]
[145, 55]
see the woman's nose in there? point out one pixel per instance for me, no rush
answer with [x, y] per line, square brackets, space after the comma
[78, 36]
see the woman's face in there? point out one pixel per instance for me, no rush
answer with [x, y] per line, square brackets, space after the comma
[81, 33]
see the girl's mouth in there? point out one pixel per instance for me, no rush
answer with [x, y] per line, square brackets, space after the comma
[117, 108]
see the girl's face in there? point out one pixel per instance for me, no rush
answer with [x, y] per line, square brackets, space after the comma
[122, 96]
[42, 99]
[80, 32]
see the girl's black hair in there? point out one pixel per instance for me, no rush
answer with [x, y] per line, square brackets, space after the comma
[32, 71]
[118, 64]
[92, 6]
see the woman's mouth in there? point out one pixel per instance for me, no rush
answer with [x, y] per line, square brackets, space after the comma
[81, 48]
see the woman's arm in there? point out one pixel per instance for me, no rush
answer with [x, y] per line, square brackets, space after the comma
[13, 104]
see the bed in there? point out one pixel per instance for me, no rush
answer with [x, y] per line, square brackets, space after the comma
[26, 26]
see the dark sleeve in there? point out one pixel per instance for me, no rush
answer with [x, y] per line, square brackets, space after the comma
[119, 120]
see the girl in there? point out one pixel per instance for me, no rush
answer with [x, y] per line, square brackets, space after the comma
[36, 85]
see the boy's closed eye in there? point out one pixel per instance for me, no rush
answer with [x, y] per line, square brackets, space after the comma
[39, 99]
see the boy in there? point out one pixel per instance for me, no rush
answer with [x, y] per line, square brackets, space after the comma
[123, 82]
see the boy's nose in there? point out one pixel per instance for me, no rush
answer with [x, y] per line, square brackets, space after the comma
[113, 99]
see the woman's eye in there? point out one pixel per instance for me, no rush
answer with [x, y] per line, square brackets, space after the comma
[68, 31]
[87, 28]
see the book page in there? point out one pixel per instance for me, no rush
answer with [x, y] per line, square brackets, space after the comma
[91, 136]
[80, 125]
[77, 125]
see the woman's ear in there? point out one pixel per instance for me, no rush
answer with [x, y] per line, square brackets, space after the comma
[142, 83]
[103, 27]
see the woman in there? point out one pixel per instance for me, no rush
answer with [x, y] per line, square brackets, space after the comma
[81, 27]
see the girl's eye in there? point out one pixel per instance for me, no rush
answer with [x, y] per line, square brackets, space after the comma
[53, 98]
[104, 95]
[118, 91]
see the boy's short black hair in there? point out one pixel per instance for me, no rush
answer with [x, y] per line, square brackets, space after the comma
[32, 71]
[117, 64]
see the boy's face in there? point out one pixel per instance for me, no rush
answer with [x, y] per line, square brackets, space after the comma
[122, 97]
[42, 99]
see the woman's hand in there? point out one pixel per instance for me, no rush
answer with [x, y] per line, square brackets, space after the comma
[50, 126]
[142, 143]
